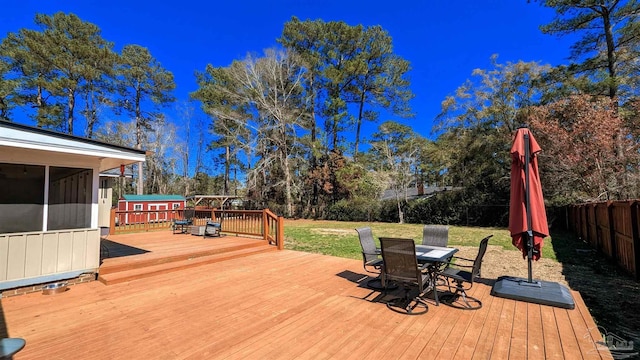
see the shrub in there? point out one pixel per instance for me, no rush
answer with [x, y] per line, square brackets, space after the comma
[353, 210]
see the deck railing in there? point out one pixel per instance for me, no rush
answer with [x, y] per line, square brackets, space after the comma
[262, 223]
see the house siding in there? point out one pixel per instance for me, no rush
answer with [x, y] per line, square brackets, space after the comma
[31, 257]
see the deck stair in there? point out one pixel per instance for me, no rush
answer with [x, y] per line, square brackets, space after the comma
[122, 269]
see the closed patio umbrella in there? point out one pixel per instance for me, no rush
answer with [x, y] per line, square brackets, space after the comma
[527, 216]
[528, 227]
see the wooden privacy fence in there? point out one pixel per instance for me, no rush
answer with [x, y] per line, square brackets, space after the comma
[612, 228]
[262, 223]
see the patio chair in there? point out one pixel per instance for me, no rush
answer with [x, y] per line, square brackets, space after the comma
[184, 223]
[435, 235]
[455, 273]
[401, 266]
[370, 253]
[372, 262]
[212, 228]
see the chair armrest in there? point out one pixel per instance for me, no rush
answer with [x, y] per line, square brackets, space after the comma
[461, 258]
[367, 253]
[447, 264]
[464, 266]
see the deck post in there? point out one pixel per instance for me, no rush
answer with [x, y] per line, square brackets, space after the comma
[280, 233]
[265, 225]
[112, 221]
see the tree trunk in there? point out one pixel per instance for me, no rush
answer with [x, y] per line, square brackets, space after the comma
[39, 104]
[314, 196]
[400, 213]
[287, 176]
[611, 54]
[227, 158]
[90, 106]
[140, 182]
[71, 98]
[358, 126]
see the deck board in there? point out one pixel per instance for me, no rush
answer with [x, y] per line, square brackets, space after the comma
[503, 335]
[535, 338]
[469, 341]
[551, 337]
[568, 339]
[518, 346]
[281, 305]
[449, 349]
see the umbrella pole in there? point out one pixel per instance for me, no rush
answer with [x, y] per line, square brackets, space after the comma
[527, 206]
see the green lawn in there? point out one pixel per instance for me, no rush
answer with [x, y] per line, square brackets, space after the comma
[339, 238]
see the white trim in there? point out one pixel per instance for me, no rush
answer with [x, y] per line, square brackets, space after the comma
[45, 210]
[32, 157]
[24, 144]
[17, 138]
[158, 209]
[126, 214]
[95, 206]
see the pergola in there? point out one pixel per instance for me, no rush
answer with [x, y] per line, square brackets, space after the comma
[208, 201]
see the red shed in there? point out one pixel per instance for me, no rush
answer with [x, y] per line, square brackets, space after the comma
[161, 204]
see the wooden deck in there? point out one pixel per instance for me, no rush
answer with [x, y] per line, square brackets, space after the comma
[283, 305]
[139, 255]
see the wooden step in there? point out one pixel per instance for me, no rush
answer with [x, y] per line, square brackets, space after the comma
[166, 267]
[116, 265]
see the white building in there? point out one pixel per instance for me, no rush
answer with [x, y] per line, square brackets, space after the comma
[49, 200]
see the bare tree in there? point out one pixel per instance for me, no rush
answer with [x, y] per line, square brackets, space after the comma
[275, 83]
[265, 97]
[397, 148]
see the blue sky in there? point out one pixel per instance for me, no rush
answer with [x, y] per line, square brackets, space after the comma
[443, 39]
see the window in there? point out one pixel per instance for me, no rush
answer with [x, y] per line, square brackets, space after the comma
[22, 208]
[176, 206]
[104, 188]
[69, 198]
[137, 207]
[21, 197]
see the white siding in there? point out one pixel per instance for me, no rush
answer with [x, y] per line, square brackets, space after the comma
[30, 255]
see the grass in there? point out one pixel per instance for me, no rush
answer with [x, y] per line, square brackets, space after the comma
[339, 238]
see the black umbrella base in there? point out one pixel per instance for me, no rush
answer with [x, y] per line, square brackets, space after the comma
[538, 292]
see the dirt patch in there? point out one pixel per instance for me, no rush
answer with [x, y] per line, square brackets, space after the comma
[498, 262]
[333, 231]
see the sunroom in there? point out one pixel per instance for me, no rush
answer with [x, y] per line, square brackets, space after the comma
[49, 201]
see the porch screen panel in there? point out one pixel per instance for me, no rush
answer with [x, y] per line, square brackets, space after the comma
[21, 197]
[69, 198]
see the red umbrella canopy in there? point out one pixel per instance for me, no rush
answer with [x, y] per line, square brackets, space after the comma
[517, 205]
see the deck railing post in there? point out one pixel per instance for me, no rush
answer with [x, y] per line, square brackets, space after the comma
[112, 221]
[280, 234]
[265, 225]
